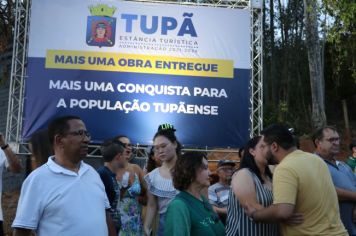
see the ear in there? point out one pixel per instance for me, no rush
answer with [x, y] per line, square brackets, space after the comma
[316, 142]
[58, 140]
[119, 156]
[251, 151]
[274, 147]
[175, 144]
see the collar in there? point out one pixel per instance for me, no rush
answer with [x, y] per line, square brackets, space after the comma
[336, 165]
[290, 154]
[193, 198]
[55, 168]
[109, 171]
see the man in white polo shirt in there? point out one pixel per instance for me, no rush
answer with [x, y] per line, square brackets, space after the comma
[8, 160]
[65, 196]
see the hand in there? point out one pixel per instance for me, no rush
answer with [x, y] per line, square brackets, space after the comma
[147, 232]
[249, 209]
[295, 219]
[2, 140]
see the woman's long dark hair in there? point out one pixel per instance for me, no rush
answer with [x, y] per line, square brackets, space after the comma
[248, 161]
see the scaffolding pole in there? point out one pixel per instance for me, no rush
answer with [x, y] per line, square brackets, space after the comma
[256, 82]
[18, 72]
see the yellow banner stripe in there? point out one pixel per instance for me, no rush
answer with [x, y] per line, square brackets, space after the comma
[82, 60]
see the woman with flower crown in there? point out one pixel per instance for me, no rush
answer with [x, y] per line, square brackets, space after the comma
[159, 181]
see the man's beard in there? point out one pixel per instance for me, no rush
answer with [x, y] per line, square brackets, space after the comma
[271, 159]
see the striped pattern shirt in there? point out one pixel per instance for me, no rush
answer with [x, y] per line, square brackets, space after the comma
[238, 223]
[162, 188]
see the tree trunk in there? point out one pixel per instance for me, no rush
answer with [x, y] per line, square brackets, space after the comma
[315, 68]
[346, 120]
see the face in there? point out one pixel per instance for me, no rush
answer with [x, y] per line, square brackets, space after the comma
[270, 156]
[164, 149]
[260, 153]
[225, 172]
[75, 141]
[202, 174]
[100, 32]
[128, 147]
[329, 145]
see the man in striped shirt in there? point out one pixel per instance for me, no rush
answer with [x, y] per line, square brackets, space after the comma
[219, 192]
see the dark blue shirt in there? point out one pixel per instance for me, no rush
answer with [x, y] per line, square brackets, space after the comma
[112, 191]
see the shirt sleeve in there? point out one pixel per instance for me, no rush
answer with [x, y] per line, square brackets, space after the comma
[177, 222]
[285, 185]
[30, 206]
[3, 159]
[106, 198]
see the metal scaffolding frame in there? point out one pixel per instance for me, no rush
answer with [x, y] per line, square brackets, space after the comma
[19, 62]
[256, 82]
[18, 73]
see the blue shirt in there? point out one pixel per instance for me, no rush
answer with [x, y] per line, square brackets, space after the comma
[112, 191]
[344, 178]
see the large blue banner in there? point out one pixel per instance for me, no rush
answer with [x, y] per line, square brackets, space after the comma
[126, 67]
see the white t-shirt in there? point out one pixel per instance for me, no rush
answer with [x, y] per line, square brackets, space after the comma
[3, 164]
[57, 201]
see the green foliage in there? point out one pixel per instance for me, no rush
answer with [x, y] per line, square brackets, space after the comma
[287, 92]
[286, 75]
[6, 24]
[341, 37]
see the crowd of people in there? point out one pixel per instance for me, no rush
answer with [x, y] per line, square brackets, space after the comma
[305, 194]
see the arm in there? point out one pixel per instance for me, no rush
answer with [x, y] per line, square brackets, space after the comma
[285, 189]
[110, 224]
[22, 232]
[141, 175]
[244, 189]
[345, 195]
[14, 162]
[150, 213]
[143, 196]
[220, 210]
[271, 214]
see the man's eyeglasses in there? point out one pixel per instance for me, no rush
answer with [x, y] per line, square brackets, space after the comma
[81, 133]
[333, 140]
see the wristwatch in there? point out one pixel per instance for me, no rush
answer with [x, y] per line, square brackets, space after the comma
[5, 146]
